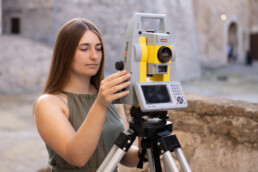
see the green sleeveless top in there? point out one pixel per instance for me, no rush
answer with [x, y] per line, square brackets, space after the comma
[79, 106]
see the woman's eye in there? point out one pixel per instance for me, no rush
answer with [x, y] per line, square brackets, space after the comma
[84, 49]
[99, 49]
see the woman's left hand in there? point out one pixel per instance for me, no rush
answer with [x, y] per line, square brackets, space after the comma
[112, 86]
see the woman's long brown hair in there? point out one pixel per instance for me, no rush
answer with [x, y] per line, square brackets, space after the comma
[66, 43]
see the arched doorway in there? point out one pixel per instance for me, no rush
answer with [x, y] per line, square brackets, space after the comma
[232, 44]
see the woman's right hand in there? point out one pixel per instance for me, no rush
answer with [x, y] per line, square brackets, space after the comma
[111, 88]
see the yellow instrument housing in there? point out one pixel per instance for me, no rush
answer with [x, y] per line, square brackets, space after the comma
[150, 55]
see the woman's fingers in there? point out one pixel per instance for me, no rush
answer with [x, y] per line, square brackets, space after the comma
[120, 94]
[116, 75]
[118, 78]
[120, 87]
[120, 83]
[112, 87]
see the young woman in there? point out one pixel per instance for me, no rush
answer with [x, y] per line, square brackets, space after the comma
[74, 115]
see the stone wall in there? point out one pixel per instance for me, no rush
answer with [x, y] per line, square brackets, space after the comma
[0, 17]
[253, 12]
[24, 64]
[216, 134]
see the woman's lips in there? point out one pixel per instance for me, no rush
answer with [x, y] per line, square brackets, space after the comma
[91, 64]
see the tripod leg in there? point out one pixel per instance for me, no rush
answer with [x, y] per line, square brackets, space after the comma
[169, 142]
[112, 159]
[181, 158]
[121, 146]
[150, 160]
[169, 162]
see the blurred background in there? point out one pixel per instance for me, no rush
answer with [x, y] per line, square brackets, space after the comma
[216, 45]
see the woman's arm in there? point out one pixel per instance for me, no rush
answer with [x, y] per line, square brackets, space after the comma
[57, 132]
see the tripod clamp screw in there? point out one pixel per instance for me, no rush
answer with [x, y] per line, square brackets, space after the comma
[125, 139]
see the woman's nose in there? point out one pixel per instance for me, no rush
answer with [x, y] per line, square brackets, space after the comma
[93, 54]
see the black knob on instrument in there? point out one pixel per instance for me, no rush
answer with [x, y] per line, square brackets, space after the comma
[119, 65]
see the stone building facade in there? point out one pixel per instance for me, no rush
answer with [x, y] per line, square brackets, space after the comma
[220, 24]
[27, 18]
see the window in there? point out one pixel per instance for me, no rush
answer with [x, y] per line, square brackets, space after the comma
[15, 25]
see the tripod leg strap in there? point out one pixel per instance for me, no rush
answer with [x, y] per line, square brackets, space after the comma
[142, 158]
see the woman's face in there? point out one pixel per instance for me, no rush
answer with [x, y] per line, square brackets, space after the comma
[88, 55]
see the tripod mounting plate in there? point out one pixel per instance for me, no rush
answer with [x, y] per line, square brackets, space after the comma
[150, 127]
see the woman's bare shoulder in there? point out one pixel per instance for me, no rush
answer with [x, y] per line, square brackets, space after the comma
[50, 103]
[46, 99]
[47, 102]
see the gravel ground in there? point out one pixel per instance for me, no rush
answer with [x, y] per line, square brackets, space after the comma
[22, 149]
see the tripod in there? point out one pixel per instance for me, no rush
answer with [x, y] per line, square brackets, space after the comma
[156, 140]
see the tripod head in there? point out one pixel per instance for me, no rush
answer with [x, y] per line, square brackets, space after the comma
[138, 115]
[145, 124]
